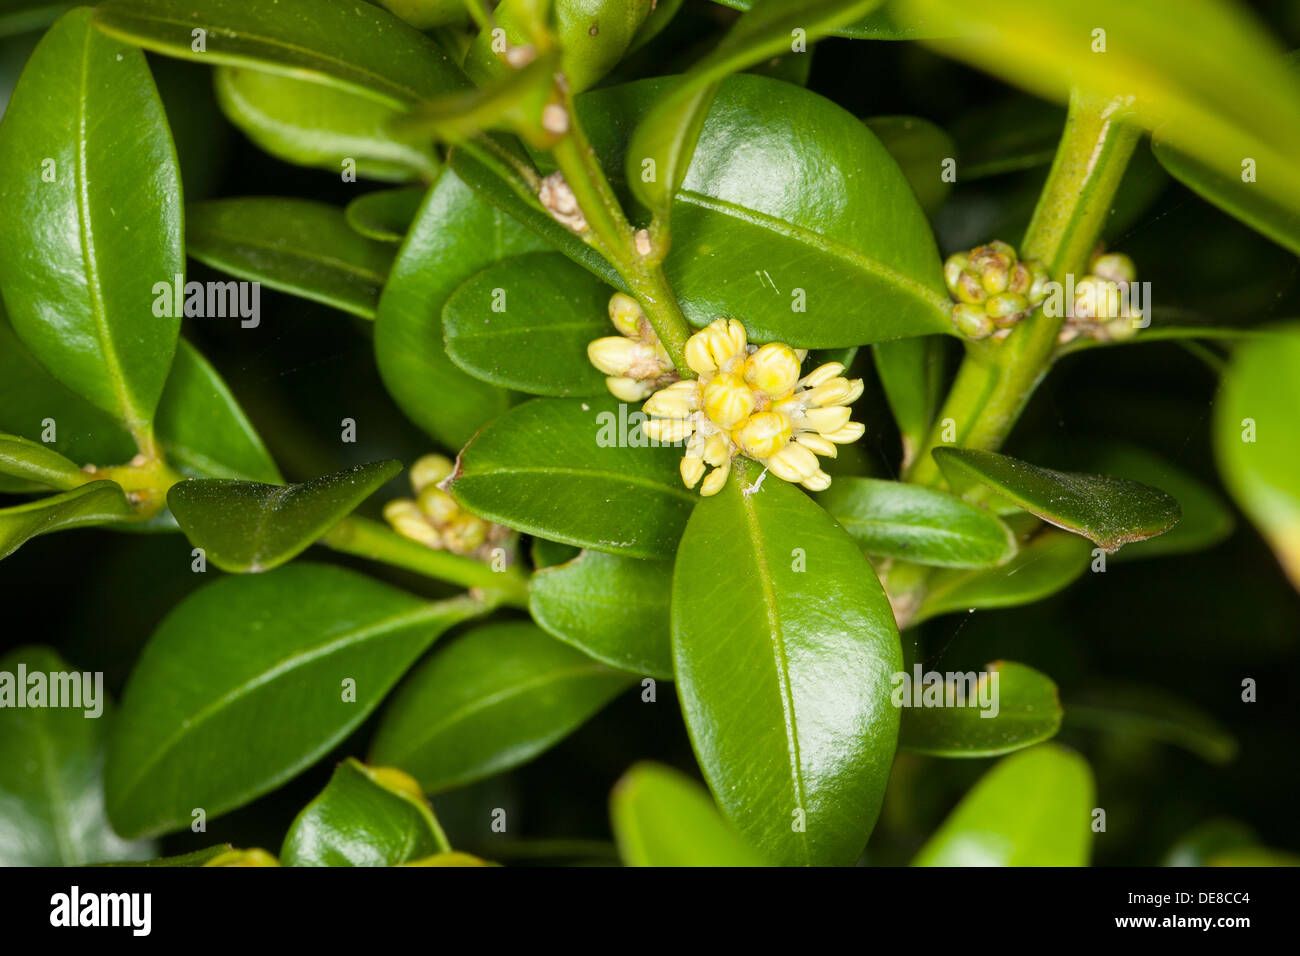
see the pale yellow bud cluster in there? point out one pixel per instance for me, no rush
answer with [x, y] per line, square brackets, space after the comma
[634, 361]
[1103, 307]
[994, 289]
[435, 520]
[751, 401]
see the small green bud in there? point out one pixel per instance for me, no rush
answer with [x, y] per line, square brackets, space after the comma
[1039, 278]
[1114, 266]
[969, 289]
[952, 270]
[1008, 250]
[1006, 309]
[1117, 330]
[972, 321]
[1021, 279]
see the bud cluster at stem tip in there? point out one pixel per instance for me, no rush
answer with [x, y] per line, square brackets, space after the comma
[434, 519]
[994, 290]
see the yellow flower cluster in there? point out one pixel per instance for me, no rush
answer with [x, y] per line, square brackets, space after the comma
[435, 520]
[751, 401]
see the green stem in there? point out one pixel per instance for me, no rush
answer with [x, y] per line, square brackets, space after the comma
[996, 379]
[376, 542]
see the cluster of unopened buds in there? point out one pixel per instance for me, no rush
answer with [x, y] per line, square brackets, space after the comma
[635, 361]
[435, 520]
[750, 400]
[993, 288]
[1104, 308]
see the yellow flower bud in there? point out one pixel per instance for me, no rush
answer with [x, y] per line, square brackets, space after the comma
[794, 462]
[728, 400]
[717, 450]
[712, 347]
[628, 389]
[846, 435]
[406, 518]
[678, 400]
[465, 533]
[763, 435]
[819, 481]
[829, 419]
[773, 369]
[439, 506]
[692, 471]
[838, 391]
[822, 374]
[429, 470]
[817, 444]
[717, 478]
[625, 312]
[667, 431]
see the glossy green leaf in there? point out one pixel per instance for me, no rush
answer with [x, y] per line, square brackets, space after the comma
[911, 374]
[455, 235]
[889, 22]
[196, 858]
[385, 215]
[547, 554]
[92, 206]
[790, 209]
[1217, 88]
[97, 502]
[595, 34]
[246, 526]
[356, 47]
[38, 463]
[252, 679]
[579, 472]
[51, 767]
[1032, 809]
[784, 645]
[918, 524]
[311, 124]
[525, 324]
[920, 149]
[1110, 511]
[661, 818]
[493, 699]
[1257, 441]
[200, 424]
[1018, 710]
[298, 246]
[611, 608]
[423, 14]
[366, 816]
[667, 134]
[452, 858]
[1052, 560]
[1130, 711]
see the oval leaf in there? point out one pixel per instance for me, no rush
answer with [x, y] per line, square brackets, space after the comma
[1110, 511]
[94, 219]
[262, 661]
[661, 818]
[51, 766]
[1031, 809]
[97, 502]
[577, 472]
[311, 124]
[493, 699]
[784, 673]
[911, 373]
[246, 526]
[34, 462]
[455, 235]
[525, 324]
[1008, 707]
[356, 47]
[386, 215]
[298, 246]
[365, 816]
[611, 608]
[918, 524]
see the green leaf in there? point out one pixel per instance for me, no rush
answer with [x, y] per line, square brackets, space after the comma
[246, 526]
[1141, 712]
[1049, 562]
[1031, 809]
[250, 680]
[890, 22]
[199, 423]
[298, 246]
[423, 14]
[1110, 511]
[920, 149]
[84, 247]
[595, 34]
[51, 767]
[790, 209]
[1257, 441]
[668, 133]
[355, 47]
[196, 858]
[1217, 88]
[97, 502]
[918, 524]
[311, 124]
[661, 818]
[385, 215]
[525, 323]
[1024, 710]
[20, 16]
[455, 235]
[365, 816]
[493, 699]
[579, 472]
[784, 644]
[34, 462]
[911, 374]
[611, 608]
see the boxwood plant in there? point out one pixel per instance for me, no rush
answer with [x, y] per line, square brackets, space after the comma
[655, 361]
